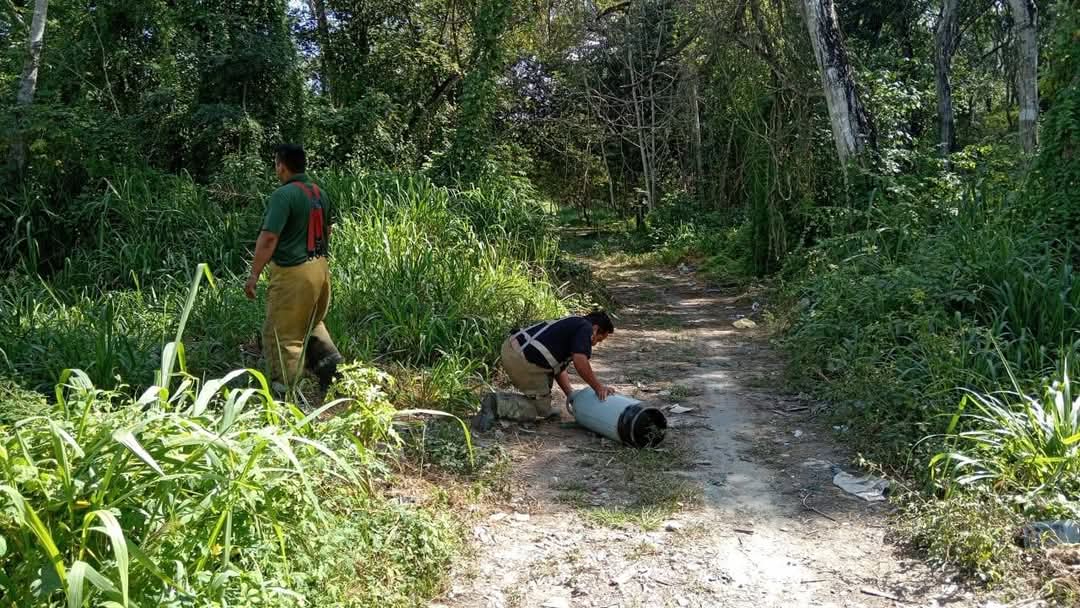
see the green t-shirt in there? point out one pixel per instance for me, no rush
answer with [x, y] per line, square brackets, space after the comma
[287, 214]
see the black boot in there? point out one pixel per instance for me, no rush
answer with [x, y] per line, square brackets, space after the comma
[485, 419]
[322, 359]
[327, 374]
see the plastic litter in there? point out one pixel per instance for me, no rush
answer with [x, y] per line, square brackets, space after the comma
[744, 324]
[866, 487]
[1050, 533]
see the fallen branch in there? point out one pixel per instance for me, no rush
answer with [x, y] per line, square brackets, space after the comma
[825, 515]
[877, 593]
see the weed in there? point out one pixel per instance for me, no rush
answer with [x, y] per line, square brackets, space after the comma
[971, 532]
[1020, 444]
[642, 550]
[681, 392]
[573, 493]
[646, 518]
[211, 491]
[654, 492]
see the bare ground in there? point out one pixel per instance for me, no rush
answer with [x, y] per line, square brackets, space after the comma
[736, 509]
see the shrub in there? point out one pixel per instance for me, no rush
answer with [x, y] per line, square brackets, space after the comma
[209, 494]
[206, 495]
[421, 273]
[1017, 444]
[971, 532]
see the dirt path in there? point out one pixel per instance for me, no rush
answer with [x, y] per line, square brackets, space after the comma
[737, 508]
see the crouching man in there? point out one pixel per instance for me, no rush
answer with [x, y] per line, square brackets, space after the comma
[536, 357]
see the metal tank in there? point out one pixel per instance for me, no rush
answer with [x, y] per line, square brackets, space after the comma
[620, 418]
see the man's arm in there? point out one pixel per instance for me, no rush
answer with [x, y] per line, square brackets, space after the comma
[564, 383]
[264, 249]
[585, 370]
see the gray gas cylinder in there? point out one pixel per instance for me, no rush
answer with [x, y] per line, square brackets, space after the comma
[620, 418]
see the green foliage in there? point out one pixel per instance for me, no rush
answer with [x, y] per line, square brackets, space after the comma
[1058, 166]
[435, 272]
[1017, 444]
[366, 391]
[213, 495]
[467, 158]
[422, 274]
[18, 402]
[898, 314]
[972, 532]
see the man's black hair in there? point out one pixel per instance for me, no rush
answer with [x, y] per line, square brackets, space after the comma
[601, 319]
[292, 156]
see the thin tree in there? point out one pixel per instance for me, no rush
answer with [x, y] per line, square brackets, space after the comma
[326, 54]
[28, 81]
[946, 37]
[1025, 24]
[851, 126]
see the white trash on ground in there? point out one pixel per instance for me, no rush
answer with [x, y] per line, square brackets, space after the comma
[866, 487]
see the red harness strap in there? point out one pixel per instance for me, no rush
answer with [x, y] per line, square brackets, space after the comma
[316, 235]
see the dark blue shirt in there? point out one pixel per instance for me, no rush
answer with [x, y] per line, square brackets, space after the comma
[563, 338]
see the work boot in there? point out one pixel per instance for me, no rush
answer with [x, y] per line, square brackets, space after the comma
[322, 359]
[327, 374]
[485, 418]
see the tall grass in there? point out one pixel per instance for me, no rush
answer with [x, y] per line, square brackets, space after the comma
[944, 290]
[212, 493]
[421, 274]
[1017, 444]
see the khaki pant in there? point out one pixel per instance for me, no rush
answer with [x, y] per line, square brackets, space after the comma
[296, 303]
[532, 380]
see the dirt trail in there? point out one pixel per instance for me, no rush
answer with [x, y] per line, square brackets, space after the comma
[737, 509]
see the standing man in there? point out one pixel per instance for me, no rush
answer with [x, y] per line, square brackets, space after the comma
[538, 356]
[294, 242]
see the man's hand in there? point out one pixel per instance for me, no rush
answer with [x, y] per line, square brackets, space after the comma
[250, 285]
[603, 391]
[264, 250]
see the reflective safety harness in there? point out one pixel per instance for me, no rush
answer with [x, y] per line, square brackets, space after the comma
[316, 228]
[531, 340]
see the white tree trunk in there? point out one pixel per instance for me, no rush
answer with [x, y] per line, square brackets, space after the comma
[945, 35]
[851, 127]
[28, 81]
[1025, 24]
[695, 124]
[639, 125]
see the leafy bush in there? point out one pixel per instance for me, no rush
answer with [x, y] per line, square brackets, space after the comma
[947, 284]
[1018, 444]
[421, 274]
[205, 496]
[972, 532]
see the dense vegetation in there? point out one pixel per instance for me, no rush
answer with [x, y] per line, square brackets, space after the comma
[917, 279]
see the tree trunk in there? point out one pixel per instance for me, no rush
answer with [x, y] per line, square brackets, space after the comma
[851, 127]
[695, 125]
[945, 35]
[1025, 24]
[28, 82]
[639, 124]
[607, 170]
[318, 8]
